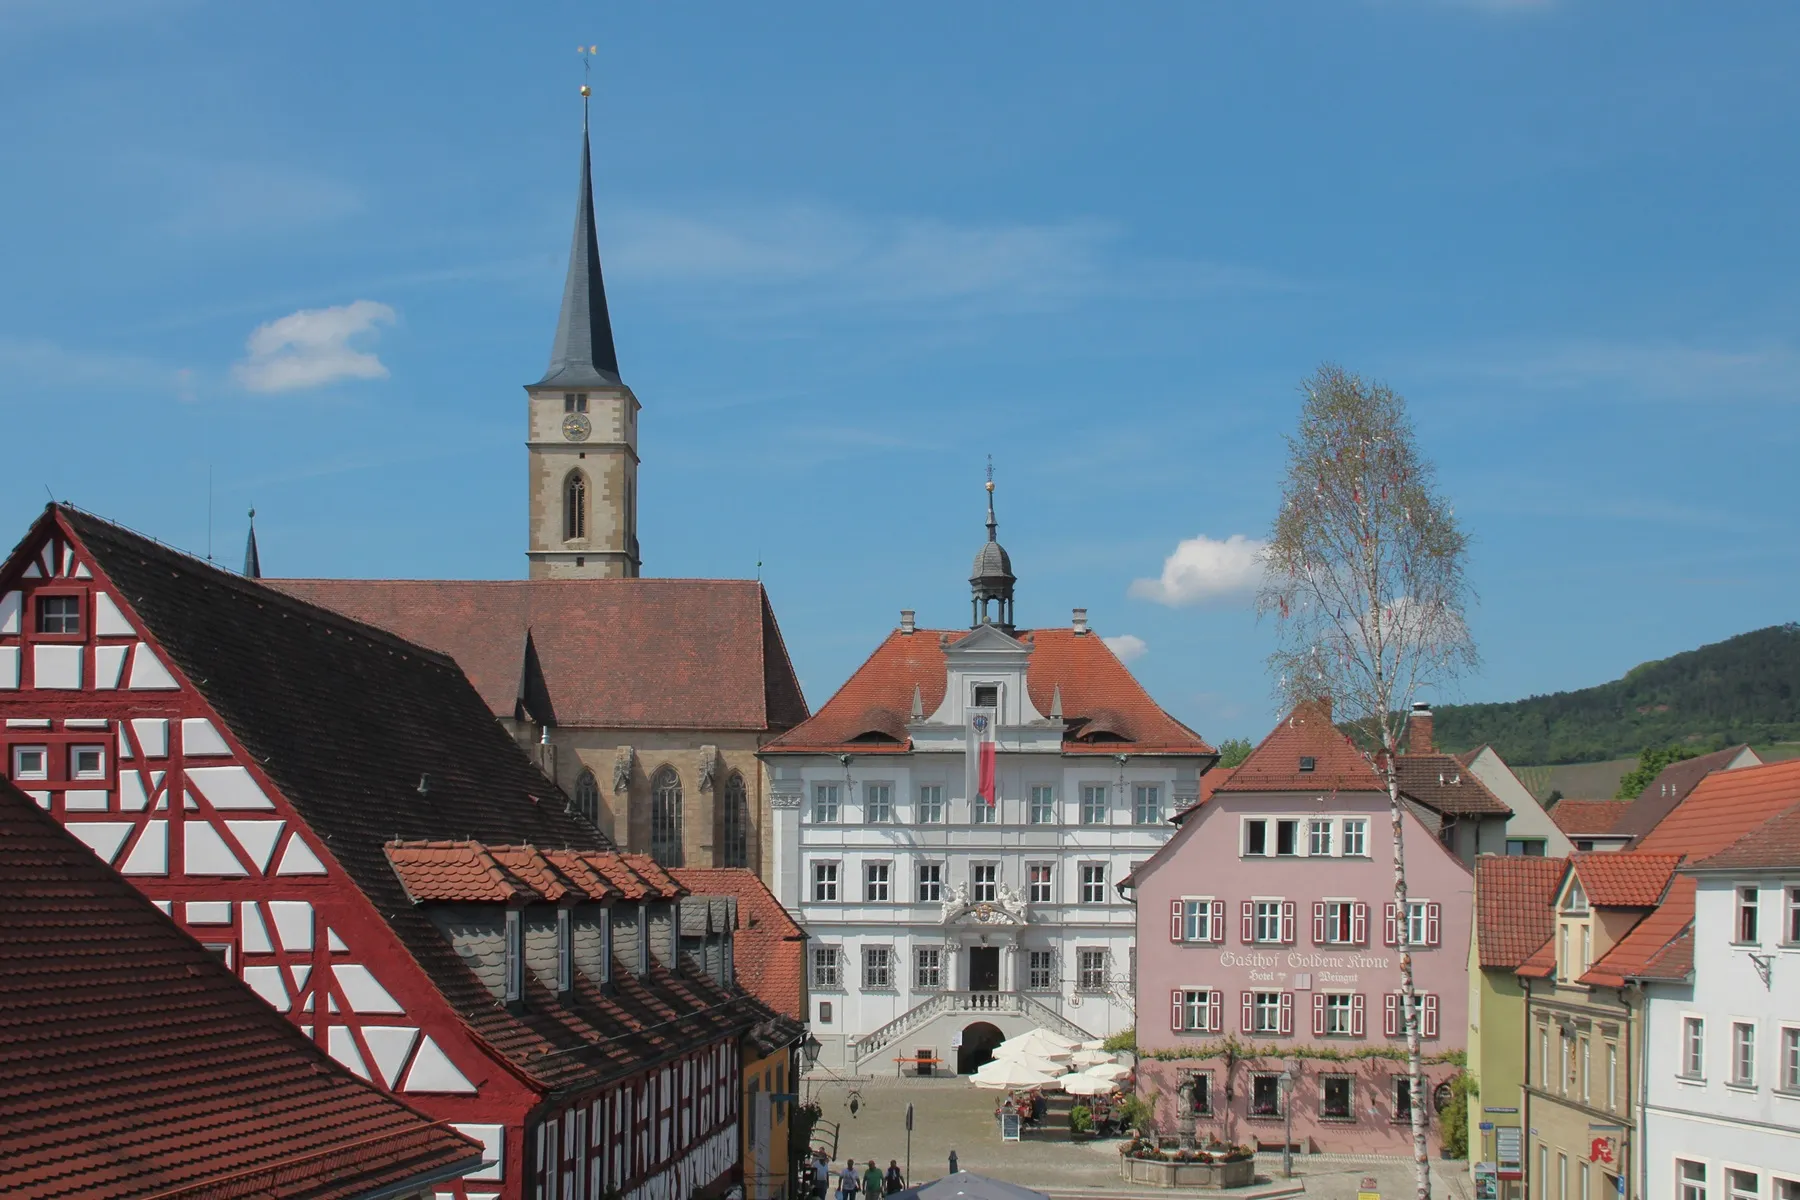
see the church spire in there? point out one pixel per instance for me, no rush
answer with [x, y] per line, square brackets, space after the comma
[583, 354]
[991, 578]
[252, 560]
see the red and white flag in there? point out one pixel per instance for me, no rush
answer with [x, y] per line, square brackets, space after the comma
[982, 727]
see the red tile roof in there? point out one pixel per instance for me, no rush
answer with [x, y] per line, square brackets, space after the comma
[470, 872]
[1674, 961]
[1107, 710]
[1723, 807]
[1306, 732]
[1671, 787]
[1649, 940]
[1575, 817]
[1513, 906]
[1624, 880]
[1541, 964]
[769, 948]
[1773, 844]
[611, 653]
[452, 872]
[133, 1062]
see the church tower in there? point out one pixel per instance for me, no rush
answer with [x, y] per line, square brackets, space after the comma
[582, 434]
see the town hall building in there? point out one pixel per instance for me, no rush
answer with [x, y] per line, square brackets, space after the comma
[645, 699]
[951, 827]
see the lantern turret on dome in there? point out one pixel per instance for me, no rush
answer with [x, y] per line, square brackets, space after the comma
[991, 579]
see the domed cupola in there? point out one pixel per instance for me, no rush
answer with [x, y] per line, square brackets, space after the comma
[991, 578]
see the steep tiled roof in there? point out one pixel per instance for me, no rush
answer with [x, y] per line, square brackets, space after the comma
[348, 721]
[1098, 696]
[1674, 961]
[456, 872]
[1587, 816]
[1513, 914]
[1442, 783]
[1723, 807]
[1624, 880]
[769, 948]
[1542, 962]
[1649, 940]
[1773, 844]
[611, 653]
[132, 1062]
[1306, 732]
[1670, 788]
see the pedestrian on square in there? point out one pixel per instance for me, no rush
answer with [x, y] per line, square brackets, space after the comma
[849, 1183]
[892, 1181]
[872, 1181]
[821, 1174]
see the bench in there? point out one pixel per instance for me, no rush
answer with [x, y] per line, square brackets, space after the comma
[924, 1064]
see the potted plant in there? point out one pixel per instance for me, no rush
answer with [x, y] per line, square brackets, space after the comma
[1081, 1121]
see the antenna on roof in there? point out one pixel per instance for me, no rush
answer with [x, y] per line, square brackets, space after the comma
[50, 493]
[208, 512]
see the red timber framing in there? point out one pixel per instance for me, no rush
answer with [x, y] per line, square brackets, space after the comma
[243, 757]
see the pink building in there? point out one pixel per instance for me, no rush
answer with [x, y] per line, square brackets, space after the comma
[1267, 935]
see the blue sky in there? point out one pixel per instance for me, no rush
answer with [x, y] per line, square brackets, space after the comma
[852, 250]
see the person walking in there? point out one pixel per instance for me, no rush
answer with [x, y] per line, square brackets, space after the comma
[872, 1181]
[821, 1174]
[892, 1182]
[849, 1183]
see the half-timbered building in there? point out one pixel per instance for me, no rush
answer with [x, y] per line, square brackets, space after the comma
[336, 814]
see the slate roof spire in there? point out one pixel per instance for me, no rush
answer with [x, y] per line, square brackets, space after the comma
[991, 578]
[582, 354]
[252, 560]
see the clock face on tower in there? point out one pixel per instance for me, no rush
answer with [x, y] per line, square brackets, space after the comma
[576, 427]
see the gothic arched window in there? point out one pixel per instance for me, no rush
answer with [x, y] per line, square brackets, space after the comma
[574, 507]
[737, 823]
[587, 798]
[665, 818]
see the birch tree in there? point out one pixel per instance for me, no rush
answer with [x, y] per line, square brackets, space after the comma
[1364, 578]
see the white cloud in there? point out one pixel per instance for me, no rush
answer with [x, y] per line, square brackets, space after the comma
[1203, 570]
[311, 348]
[1128, 646]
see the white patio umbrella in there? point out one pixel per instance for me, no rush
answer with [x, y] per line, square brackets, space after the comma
[1091, 1058]
[1042, 1043]
[1088, 1085]
[1026, 1048]
[1031, 1062]
[1010, 1075]
[1108, 1071]
[1096, 1044]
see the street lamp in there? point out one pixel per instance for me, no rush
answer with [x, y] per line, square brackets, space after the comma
[809, 1051]
[1286, 1083]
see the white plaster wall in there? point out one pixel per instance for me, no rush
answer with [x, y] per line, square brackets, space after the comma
[1529, 820]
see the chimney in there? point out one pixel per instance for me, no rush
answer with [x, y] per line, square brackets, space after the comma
[1080, 622]
[907, 622]
[1418, 729]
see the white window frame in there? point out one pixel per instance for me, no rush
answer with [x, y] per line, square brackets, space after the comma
[1348, 908]
[929, 807]
[828, 968]
[1040, 801]
[1746, 902]
[1083, 969]
[886, 816]
[1046, 981]
[98, 773]
[878, 882]
[1690, 1180]
[934, 884]
[928, 968]
[1733, 1192]
[1146, 798]
[1245, 825]
[1339, 1004]
[1789, 1065]
[1089, 791]
[1093, 883]
[1318, 828]
[827, 877]
[1047, 884]
[19, 771]
[1266, 1005]
[1197, 1014]
[1270, 909]
[1416, 913]
[1196, 920]
[826, 800]
[984, 891]
[1356, 828]
[869, 958]
[1743, 1053]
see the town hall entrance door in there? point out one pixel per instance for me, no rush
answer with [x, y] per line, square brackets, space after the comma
[984, 968]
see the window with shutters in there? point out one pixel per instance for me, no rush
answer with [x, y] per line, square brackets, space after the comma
[1336, 1011]
[1423, 926]
[1340, 922]
[1196, 1010]
[1426, 1005]
[1197, 919]
[1272, 921]
[1267, 1012]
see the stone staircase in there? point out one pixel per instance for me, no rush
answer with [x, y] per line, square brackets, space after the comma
[971, 1004]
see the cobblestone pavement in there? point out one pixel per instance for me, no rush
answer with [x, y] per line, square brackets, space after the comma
[952, 1114]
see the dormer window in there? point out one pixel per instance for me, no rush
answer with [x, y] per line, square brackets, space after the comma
[1577, 904]
[515, 956]
[987, 695]
[565, 952]
[1307, 764]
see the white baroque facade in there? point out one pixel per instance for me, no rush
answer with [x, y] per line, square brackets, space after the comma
[937, 924]
[1721, 1102]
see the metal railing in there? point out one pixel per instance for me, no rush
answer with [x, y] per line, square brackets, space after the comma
[964, 1002]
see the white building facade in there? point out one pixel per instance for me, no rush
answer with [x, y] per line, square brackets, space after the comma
[941, 923]
[1721, 1105]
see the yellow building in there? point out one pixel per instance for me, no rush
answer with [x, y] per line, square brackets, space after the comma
[1513, 918]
